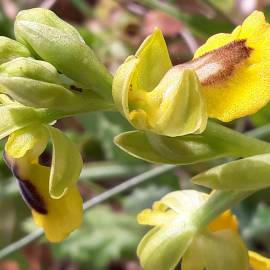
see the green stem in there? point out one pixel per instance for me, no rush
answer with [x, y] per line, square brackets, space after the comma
[218, 202]
[48, 115]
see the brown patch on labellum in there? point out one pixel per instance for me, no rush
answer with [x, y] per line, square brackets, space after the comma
[219, 64]
[28, 191]
[31, 197]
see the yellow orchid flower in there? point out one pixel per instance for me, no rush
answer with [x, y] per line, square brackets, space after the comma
[51, 193]
[229, 73]
[175, 237]
[154, 96]
[58, 217]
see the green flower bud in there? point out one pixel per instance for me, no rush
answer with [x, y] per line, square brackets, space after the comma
[37, 84]
[32, 69]
[246, 174]
[11, 49]
[60, 44]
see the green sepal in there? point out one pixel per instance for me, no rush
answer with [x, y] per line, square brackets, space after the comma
[66, 163]
[11, 49]
[60, 44]
[245, 174]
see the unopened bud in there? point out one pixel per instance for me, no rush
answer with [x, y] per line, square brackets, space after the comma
[60, 44]
[11, 49]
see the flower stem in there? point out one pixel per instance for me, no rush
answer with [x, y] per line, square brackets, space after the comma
[218, 202]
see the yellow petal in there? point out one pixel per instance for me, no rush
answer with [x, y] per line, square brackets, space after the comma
[64, 215]
[247, 89]
[258, 262]
[25, 139]
[177, 203]
[184, 201]
[155, 217]
[225, 221]
[58, 217]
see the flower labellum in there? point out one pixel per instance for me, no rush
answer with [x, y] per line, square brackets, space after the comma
[234, 69]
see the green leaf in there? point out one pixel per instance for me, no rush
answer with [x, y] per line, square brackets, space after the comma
[66, 163]
[104, 127]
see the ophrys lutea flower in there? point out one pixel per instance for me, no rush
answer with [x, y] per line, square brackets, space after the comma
[51, 193]
[229, 74]
[176, 237]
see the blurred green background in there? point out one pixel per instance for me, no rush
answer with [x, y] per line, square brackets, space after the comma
[109, 235]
